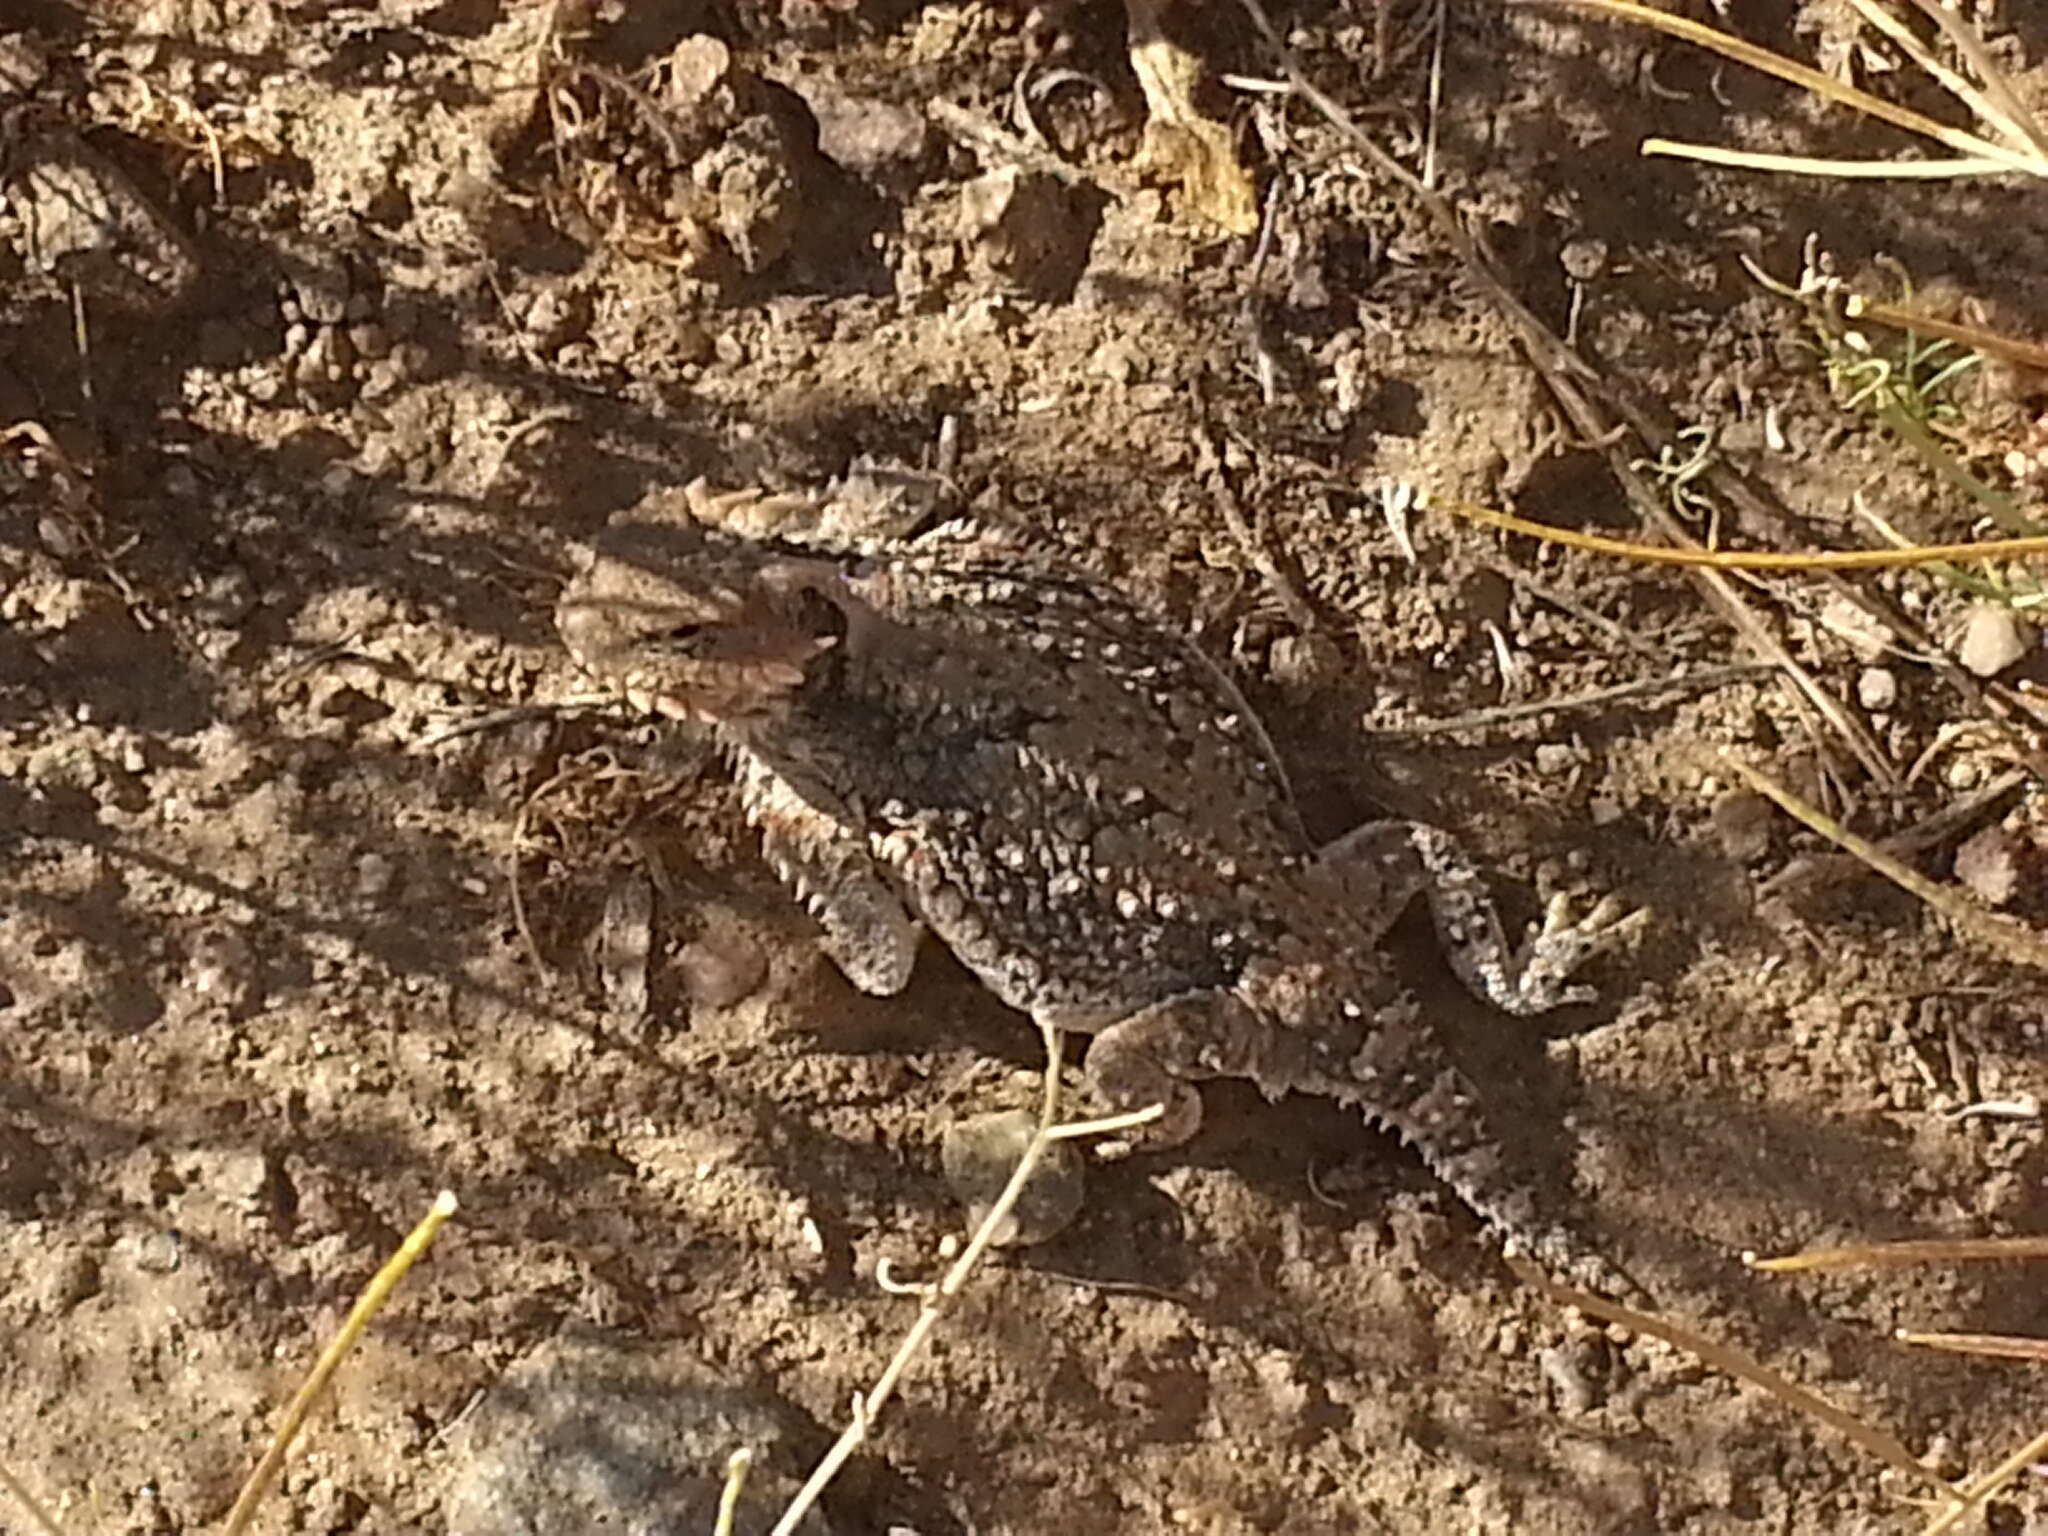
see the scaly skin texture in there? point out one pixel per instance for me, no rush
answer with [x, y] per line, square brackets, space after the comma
[972, 739]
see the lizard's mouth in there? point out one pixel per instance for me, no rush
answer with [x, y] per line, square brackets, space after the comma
[725, 654]
[720, 674]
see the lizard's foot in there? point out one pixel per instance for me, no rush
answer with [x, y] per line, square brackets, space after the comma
[1539, 973]
[1146, 1059]
[1126, 1086]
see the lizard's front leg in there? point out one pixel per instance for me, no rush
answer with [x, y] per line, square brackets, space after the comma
[825, 862]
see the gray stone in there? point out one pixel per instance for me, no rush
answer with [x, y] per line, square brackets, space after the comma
[599, 1431]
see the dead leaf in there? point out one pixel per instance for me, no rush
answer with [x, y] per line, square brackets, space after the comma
[1180, 143]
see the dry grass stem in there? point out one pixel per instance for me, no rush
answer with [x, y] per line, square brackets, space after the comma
[1725, 1357]
[1976, 338]
[1979, 1493]
[1997, 103]
[42, 1520]
[2002, 936]
[1745, 560]
[1908, 42]
[736, 1466]
[1815, 165]
[1996, 1346]
[1978, 155]
[520, 918]
[367, 1305]
[937, 1297]
[1703, 679]
[1927, 1250]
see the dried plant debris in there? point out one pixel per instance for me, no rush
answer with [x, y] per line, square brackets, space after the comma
[86, 222]
[1182, 143]
[688, 162]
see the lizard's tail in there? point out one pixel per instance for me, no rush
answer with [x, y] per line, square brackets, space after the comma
[1403, 1082]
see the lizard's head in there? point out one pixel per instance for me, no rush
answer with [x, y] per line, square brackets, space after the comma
[693, 625]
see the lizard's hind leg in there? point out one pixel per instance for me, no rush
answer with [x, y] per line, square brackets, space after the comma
[1383, 865]
[1149, 1057]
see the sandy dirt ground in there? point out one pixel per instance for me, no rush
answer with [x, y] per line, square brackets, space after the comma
[340, 325]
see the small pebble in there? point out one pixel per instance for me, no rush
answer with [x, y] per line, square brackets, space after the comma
[222, 969]
[1583, 259]
[60, 536]
[22, 65]
[1565, 1369]
[697, 66]
[865, 134]
[374, 873]
[1115, 361]
[1877, 688]
[160, 1252]
[980, 1153]
[1993, 640]
[1742, 822]
[692, 343]
[720, 972]
[1554, 759]
[1989, 863]
[601, 1431]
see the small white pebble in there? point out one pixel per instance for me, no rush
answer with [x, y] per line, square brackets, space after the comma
[1993, 640]
[1877, 688]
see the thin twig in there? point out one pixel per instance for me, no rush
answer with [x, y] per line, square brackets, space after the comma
[512, 714]
[1929, 832]
[1725, 1357]
[650, 112]
[1565, 602]
[366, 1307]
[2002, 936]
[519, 919]
[1257, 326]
[1254, 547]
[1746, 559]
[1510, 714]
[936, 1298]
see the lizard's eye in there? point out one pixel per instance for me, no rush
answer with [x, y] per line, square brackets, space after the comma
[681, 634]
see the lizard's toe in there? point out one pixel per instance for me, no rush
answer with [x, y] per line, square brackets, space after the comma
[1563, 944]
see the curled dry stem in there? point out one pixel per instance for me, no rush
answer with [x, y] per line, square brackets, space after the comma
[937, 1297]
